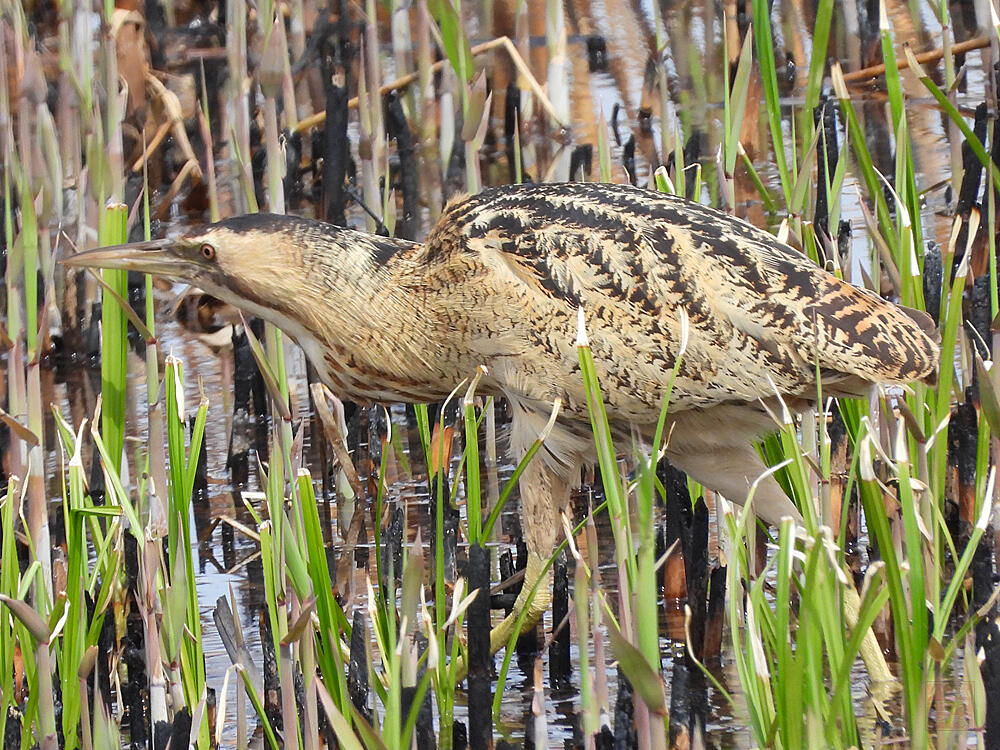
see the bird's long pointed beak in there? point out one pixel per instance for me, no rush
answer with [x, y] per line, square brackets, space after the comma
[153, 256]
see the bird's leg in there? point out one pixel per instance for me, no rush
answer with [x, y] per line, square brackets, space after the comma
[733, 477]
[543, 495]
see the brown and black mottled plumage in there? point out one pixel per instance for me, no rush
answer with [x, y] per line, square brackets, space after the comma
[499, 283]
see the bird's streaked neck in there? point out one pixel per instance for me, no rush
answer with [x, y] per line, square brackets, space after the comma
[353, 302]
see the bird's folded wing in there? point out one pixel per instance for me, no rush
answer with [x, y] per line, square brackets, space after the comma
[759, 316]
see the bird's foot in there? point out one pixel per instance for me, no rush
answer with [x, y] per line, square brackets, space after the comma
[532, 601]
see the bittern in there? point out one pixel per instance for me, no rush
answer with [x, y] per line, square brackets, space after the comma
[499, 282]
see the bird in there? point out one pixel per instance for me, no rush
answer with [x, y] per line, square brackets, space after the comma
[502, 281]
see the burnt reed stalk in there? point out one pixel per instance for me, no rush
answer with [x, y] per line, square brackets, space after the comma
[972, 167]
[827, 154]
[560, 667]
[357, 670]
[398, 129]
[480, 657]
[688, 695]
[336, 153]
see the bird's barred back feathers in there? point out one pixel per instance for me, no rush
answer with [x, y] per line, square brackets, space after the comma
[762, 316]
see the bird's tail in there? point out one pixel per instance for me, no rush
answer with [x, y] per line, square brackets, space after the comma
[926, 324]
[859, 333]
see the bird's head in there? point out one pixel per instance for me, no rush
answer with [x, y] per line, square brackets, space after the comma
[302, 275]
[243, 259]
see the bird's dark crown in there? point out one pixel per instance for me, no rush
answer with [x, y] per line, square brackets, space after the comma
[261, 222]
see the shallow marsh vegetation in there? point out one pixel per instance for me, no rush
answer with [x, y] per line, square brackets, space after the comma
[200, 545]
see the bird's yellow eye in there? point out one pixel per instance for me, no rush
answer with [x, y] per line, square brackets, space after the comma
[207, 251]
